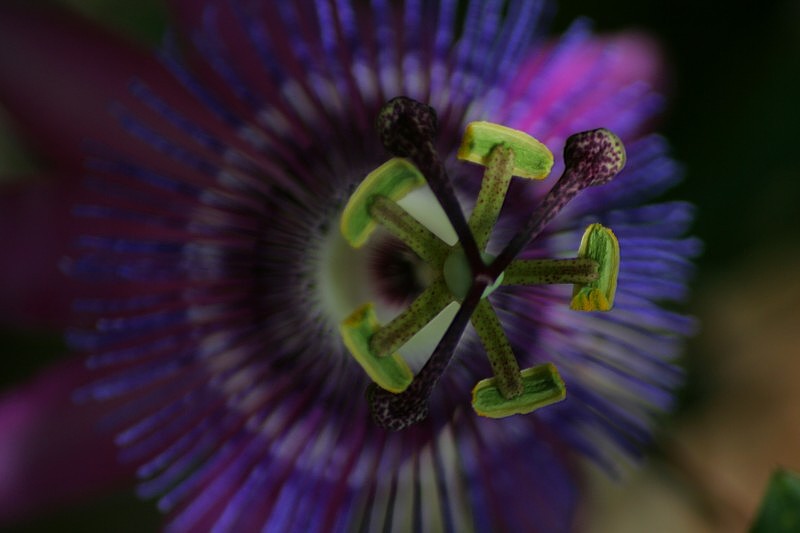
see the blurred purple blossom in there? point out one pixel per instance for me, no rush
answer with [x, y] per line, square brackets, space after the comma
[178, 236]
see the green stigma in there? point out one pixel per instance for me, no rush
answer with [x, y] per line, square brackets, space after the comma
[458, 276]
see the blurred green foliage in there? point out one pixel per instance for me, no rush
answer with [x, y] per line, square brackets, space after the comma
[780, 510]
[142, 20]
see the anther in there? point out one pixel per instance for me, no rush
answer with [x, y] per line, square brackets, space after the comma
[598, 244]
[542, 386]
[390, 373]
[504, 152]
[532, 159]
[393, 180]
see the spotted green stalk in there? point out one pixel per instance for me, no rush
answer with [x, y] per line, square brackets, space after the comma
[501, 356]
[422, 310]
[550, 271]
[408, 229]
[494, 187]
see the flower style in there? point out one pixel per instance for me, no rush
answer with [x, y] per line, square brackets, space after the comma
[191, 246]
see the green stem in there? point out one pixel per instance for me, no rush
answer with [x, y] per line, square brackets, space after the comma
[504, 365]
[550, 271]
[422, 310]
[408, 229]
[494, 187]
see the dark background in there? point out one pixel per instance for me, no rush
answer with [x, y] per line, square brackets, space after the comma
[732, 119]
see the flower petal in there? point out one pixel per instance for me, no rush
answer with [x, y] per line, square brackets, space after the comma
[63, 80]
[35, 229]
[51, 452]
[41, 222]
[584, 82]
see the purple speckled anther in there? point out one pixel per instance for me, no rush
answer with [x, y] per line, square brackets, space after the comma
[188, 244]
[590, 158]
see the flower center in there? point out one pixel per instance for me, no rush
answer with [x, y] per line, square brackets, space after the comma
[460, 271]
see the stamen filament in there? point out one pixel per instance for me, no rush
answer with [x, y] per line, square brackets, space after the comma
[550, 271]
[422, 310]
[504, 365]
[494, 187]
[408, 229]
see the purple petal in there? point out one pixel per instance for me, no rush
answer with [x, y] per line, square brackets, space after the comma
[52, 452]
[205, 227]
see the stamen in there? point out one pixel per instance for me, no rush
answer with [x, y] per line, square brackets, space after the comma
[391, 373]
[422, 310]
[542, 386]
[590, 158]
[393, 179]
[504, 152]
[598, 244]
[507, 378]
[408, 229]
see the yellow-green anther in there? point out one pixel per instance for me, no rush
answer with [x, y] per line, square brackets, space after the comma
[408, 229]
[507, 377]
[542, 386]
[458, 275]
[394, 179]
[532, 159]
[496, 179]
[599, 244]
[422, 310]
[550, 271]
[389, 373]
